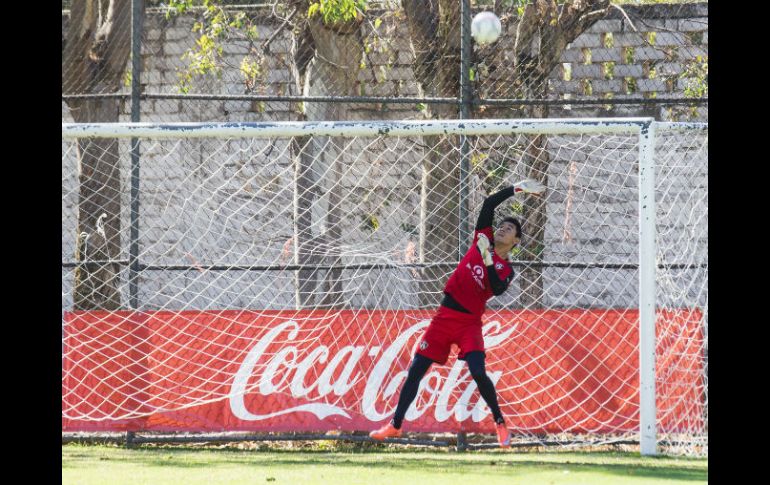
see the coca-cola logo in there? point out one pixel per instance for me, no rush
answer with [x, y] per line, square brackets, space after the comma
[338, 378]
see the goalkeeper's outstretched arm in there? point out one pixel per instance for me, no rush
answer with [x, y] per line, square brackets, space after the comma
[486, 216]
[487, 213]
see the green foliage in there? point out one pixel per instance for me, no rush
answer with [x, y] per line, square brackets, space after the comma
[588, 88]
[608, 40]
[216, 26]
[251, 33]
[202, 60]
[630, 83]
[608, 107]
[477, 159]
[587, 55]
[609, 70]
[369, 222]
[696, 75]
[628, 55]
[251, 71]
[333, 11]
[127, 77]
[517, 208]
[537, 250]
[177, 7]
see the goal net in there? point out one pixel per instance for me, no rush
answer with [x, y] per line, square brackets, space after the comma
[276, 277]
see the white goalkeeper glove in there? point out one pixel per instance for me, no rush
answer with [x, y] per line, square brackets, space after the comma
[483, 245]
[529, 186]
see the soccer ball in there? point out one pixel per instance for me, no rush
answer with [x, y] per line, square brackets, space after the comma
[485, 28]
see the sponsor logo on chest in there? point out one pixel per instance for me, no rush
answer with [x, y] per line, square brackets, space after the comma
[477, 272]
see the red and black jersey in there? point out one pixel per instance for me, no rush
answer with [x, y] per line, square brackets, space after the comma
[470, 284]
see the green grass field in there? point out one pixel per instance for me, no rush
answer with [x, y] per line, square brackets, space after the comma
[90, 465]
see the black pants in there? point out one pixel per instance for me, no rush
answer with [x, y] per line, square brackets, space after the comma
[418, 369]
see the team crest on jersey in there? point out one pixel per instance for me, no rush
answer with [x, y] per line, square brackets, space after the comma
[498, 265]
[423, 345]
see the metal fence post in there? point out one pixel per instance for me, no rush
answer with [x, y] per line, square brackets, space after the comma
[137, 14]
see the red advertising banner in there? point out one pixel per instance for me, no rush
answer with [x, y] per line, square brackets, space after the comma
[555, 371]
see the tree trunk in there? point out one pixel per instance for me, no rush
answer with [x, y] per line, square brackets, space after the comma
[94, 61]
[97, 283]
[304, 243]
[337, 54]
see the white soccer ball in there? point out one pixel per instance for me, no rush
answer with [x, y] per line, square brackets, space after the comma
[485, 28]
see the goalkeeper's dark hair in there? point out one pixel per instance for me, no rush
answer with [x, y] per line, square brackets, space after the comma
[516, 223]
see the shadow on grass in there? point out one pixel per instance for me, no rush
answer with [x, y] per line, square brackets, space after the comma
[433, 461]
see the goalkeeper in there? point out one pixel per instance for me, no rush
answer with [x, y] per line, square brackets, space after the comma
[484, 271]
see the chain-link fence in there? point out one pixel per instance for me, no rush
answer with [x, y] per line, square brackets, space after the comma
[269, 61]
